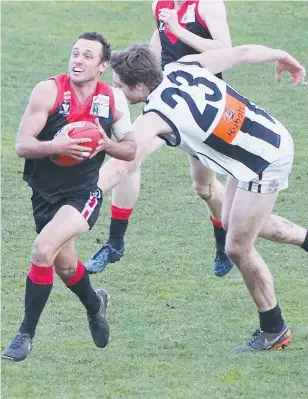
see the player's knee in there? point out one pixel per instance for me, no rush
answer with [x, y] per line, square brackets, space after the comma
[65, 270]
[42, 253]
[233, 250]
[237, 248]
[205, 192]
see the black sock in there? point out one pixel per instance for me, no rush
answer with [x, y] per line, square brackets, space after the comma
[36, 297]
[271, 321]
[220, 236]
[305, 243]
[117, 232]
[80, 285]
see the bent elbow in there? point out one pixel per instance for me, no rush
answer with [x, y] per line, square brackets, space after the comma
[130, 158]
[132, 153]
[19, 149]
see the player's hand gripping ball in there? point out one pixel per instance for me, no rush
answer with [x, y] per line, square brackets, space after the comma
[78, 130]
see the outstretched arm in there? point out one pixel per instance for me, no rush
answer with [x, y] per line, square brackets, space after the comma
[220, 60]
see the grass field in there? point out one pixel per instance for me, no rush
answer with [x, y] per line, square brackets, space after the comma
[173, 324]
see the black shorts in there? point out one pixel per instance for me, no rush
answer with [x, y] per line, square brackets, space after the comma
[88, 203]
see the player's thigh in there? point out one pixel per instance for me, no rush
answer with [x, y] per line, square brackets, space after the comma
[230, 189]
[201, 175]
[248, 213]
[67, 224]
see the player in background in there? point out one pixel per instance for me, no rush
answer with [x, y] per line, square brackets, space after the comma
[183, 27]
[227, 133]
[66, 200]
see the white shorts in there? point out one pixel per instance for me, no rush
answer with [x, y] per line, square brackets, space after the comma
[276, 176]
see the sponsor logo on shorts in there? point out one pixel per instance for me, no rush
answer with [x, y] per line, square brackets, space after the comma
[89, 207]
[273, 186]
[96, 194]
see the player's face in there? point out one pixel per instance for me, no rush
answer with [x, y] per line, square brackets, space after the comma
[132, 94]
[85, 63]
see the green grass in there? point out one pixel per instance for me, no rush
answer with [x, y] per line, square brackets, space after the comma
[173, 324]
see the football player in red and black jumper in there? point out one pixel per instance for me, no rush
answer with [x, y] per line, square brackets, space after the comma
[66, 200]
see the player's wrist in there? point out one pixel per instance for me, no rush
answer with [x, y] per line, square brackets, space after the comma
[282, 55]
[109, 145]
[50, 148]
[179, 32]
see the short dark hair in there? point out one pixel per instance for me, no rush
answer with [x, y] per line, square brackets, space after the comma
[97, 37]
[137, 64]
